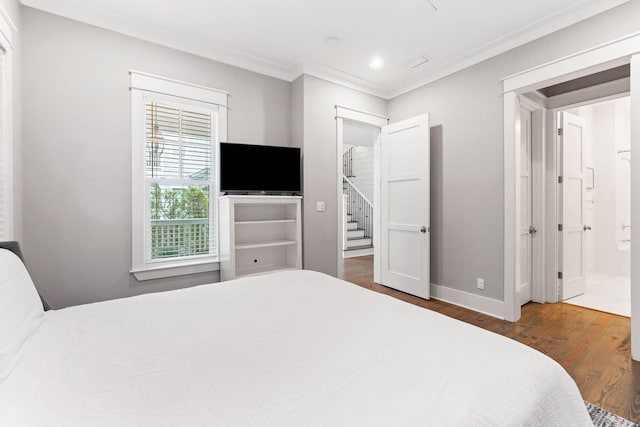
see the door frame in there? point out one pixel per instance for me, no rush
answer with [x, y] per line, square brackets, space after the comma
[546, 197]
[625, 50]
[370, 119]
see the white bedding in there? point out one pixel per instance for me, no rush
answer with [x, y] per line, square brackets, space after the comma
[294, 348]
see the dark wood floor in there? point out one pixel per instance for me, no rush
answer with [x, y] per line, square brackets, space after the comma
[594, 347]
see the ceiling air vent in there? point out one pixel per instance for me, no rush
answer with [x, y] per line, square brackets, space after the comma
[421, 60]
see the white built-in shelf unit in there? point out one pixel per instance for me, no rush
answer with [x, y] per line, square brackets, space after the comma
[259, 234]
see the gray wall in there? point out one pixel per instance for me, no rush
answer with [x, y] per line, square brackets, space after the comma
[467, 168]
[320, 166]
[76, 153]
[76, 150]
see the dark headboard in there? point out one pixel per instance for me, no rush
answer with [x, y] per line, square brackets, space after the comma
[15, 248]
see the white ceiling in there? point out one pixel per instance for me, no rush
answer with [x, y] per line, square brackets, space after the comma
[285, 38]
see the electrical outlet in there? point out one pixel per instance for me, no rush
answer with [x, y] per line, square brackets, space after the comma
[319, 206]
[480, 283]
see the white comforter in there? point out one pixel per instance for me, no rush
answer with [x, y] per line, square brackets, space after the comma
[289, 349]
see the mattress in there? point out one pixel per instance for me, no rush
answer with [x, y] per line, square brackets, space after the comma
[295, 348]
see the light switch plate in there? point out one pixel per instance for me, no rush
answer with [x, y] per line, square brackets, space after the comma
[319, 206]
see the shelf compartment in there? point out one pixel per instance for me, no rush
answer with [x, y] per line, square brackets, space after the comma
[266, 221]
[265, 230]
[255, 260]
[264, 212]
[259, 234]
[265, 244]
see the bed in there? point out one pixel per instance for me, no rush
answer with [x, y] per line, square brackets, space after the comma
[295, 348]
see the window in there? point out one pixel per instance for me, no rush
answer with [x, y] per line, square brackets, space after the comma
[175, 130]
[179, 181]
[5, 162]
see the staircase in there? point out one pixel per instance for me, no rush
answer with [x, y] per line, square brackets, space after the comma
[356, 236]
[358, 210]
[358, 217]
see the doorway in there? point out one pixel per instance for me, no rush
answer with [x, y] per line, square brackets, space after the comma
[357, 139]
[358, 201]
[596, 275]
[559, 142]
[623, 51]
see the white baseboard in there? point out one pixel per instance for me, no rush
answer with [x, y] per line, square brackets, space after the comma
[484, 305]
[357, 252]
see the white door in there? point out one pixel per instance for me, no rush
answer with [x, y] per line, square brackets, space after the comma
[527, 229]
[573, 243]
[404, 206]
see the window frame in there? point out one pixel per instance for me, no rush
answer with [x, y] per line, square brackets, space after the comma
[7, 169]
[146, 87]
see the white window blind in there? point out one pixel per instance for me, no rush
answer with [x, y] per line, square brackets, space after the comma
[179, 181]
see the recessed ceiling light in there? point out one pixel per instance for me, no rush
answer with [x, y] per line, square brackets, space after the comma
[376, 62]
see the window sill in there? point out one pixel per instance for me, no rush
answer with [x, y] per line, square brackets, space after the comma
[175, 269]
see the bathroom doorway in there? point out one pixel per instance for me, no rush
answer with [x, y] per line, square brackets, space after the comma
[596, 257]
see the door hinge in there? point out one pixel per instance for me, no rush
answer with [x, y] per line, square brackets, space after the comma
[559, 227]
[559, 274]
[560, 132]
[559, 180]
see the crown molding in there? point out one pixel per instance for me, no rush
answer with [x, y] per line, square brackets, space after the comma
[340, 78]
[561, 19]
[8, 28]
[195, 47]
[289, 72]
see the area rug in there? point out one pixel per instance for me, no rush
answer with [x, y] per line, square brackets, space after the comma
[603, 418]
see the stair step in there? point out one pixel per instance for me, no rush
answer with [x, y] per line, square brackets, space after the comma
[355, 248]
[352, 225]
[351, 243]
[355, 234]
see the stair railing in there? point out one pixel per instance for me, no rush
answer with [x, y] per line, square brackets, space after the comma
[359, 207]
[347, 163]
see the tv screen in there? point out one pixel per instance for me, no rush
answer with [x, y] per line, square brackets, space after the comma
[248, 168]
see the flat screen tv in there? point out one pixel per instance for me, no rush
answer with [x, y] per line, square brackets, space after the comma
[259, 169]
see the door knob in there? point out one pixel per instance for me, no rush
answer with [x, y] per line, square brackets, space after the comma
[586, 227]
[423, 229]
[532, 230]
